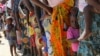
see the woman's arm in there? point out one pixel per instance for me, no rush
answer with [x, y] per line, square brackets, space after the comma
[20, 9]
[43, 6]
[28, 5]
[94, 3]
[88, 22]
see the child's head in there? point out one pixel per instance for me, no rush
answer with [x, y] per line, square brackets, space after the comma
[73, 17]
[74, 11]
[9, 20]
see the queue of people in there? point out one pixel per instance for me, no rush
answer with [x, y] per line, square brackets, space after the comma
[53, 27]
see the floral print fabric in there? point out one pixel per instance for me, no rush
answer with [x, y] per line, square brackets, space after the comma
[90, 46]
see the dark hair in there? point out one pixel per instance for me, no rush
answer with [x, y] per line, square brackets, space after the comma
[74, 11]
[11, 19]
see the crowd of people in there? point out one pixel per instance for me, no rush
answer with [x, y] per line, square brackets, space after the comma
[52, 27]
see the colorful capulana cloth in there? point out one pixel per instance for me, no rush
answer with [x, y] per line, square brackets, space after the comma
[58, 35]
[47, 25]
[90, 46]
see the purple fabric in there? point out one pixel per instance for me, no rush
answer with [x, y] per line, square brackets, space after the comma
[73, 34]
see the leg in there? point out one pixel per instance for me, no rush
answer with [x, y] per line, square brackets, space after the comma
[75, 53]
[32, 51]
[15, 50]
[40, 51]
[19, 46]
[11, 50]
[35, 51]
[25, 51]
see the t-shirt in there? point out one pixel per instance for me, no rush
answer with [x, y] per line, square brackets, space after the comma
[12, 30]
[71, 34]
[31, 30]
[9, 4]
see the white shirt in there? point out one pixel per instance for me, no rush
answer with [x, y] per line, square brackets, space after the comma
[9, 4]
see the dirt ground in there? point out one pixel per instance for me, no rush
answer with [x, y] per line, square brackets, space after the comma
[4, 46]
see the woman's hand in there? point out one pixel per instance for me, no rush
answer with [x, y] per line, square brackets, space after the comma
[88, 13]
[82, 36]
[85, 35]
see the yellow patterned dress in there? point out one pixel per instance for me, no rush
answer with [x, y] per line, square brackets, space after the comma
[58, 35]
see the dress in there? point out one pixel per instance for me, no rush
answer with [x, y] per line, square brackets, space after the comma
[11, 34]
[90, 46]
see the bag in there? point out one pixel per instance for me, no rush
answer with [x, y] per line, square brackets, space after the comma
[54, 3]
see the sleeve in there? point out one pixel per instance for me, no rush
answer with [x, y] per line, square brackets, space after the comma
[69, 34]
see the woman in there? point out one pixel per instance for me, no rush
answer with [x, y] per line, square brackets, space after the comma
[90, 38]
[60, 17]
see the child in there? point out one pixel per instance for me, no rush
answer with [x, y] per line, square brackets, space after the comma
[26, 46]
[32, 40]
[73, 31]
[43, 46]
[11, 30]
